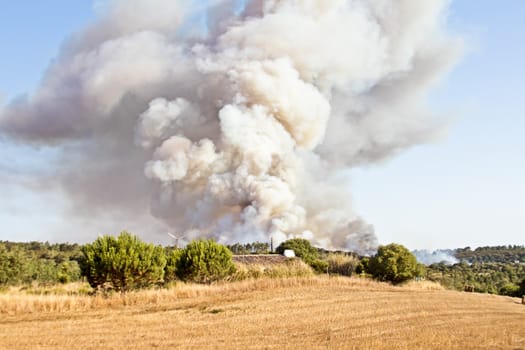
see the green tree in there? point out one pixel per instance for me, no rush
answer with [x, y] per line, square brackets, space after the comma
[362, 266]
[510, 289]
[205, 261]
[68, 271]
[123, 263]
[172, 260]
[304, 250]
[393, 263]
[521, 291]
[15, 266]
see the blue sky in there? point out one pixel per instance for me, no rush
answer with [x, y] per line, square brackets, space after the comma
[466, 189]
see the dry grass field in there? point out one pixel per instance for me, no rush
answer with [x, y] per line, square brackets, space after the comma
[293, 313]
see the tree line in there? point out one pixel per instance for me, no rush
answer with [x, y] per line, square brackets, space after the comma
[125, 262]
[508, 254]
[491, 277]
[23, 263]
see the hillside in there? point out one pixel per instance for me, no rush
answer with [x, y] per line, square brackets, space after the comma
[319, 312]
[498, 254]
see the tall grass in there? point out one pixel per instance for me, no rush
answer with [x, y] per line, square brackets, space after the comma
[20, 301]
[341, 264]
[290, 268]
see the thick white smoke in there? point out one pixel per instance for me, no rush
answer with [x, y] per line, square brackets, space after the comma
[235, 121]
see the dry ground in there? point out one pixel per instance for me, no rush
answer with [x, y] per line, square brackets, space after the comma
[300, 313]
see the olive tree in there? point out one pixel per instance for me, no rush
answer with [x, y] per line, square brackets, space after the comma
[394, 263]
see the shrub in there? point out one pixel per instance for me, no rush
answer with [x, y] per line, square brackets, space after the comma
[304, 250]
[68, 271]
[205, 261]
[393, 263]
[362, 266]
[13, 266]
[342, 264]
[122, 263]
[290, 268]
[510, 289]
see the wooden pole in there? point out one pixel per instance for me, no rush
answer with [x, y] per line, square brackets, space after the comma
[523, 300]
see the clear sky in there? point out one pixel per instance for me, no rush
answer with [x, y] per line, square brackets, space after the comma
[466, 189]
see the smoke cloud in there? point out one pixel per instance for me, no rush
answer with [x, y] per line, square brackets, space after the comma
[236, 120]
[427, 257]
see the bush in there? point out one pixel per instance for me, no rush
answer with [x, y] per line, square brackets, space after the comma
[205, 261]
[68, 271]
[290, 268]
[122, 263]
[342, 264]
[304, 250]
[510, 289]
[13, 266]
[393, 263]
[362, 266]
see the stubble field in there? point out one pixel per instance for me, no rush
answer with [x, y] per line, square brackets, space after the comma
[292, 313]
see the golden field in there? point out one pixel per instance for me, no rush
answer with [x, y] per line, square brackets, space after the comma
[291, 313]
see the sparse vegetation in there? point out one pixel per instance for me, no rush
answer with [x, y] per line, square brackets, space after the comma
[291, 313]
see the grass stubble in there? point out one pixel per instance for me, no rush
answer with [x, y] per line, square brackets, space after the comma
[309, 312]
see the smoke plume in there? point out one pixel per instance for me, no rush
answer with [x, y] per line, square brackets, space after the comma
[427, 257]
[236, 120]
